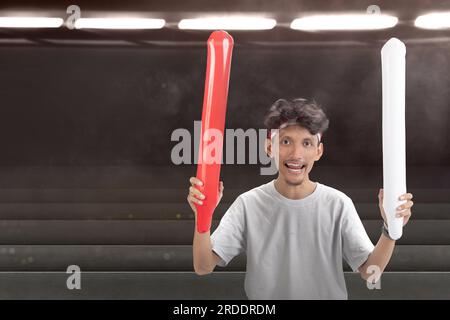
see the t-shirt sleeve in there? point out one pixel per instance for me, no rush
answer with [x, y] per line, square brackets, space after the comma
[357, 245]
[228, 240]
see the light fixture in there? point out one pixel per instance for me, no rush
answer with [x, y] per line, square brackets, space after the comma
[119, 23]
[228, 23]
[30, 22]
[344, 22]
[436, 20]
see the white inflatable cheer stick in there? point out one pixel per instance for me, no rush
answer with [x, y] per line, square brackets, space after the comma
[394, 153]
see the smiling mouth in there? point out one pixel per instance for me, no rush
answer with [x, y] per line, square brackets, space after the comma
[296, 168]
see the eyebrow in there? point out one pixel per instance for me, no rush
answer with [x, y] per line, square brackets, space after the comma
[307, 138]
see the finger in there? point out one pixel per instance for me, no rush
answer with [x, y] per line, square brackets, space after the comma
[192, 199]
[406, 205]
[221, 187]
[195, 181]
[406, 219]
[190, 202]
[406, 196]
[195, 192]
[404, 213]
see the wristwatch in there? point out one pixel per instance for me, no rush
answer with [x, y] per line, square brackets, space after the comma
[385, 230]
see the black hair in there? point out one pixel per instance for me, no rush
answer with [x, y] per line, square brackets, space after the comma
[308, 114]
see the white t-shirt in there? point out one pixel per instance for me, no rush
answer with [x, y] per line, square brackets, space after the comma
[294, 247]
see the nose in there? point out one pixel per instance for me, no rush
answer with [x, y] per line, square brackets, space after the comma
[298, 152]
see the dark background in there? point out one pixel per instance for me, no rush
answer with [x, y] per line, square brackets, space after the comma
[86, 119]
[96, 97]
[116, 106]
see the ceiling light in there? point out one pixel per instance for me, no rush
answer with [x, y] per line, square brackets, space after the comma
[228, 23]
[30, 22]
[119, 23]
[345, 22]
[433, 21]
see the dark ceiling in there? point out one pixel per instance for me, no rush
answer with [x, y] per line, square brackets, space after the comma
[403, 7]
[284, 11]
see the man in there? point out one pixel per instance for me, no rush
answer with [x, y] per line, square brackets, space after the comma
[294, 231]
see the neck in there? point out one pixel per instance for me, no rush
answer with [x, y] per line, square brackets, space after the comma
[295, 192]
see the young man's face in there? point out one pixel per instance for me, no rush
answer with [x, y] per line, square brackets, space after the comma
[298, 150]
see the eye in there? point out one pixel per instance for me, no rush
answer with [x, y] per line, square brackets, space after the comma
[307, 143]
[285, 141]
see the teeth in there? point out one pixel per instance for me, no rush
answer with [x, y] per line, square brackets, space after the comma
[296, 165]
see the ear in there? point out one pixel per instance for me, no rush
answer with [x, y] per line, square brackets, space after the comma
[268, 147]
[319, 152]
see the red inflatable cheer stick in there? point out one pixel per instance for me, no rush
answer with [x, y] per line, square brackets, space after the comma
[220, 47]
